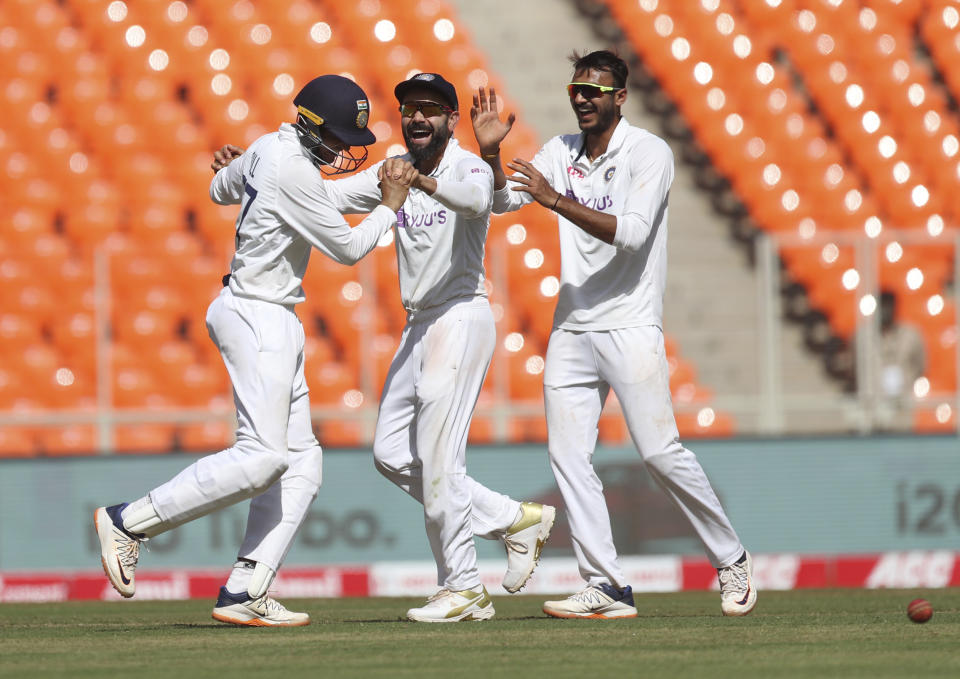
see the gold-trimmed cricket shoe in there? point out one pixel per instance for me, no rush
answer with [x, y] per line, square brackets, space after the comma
[447, 606]
[524, 540]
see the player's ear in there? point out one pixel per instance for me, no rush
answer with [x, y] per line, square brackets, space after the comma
[620, 97]
[452, 120]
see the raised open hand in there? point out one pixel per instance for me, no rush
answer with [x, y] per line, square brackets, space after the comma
[488, 128]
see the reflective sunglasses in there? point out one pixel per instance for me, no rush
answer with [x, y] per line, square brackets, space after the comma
[427, 108]
[590, 90]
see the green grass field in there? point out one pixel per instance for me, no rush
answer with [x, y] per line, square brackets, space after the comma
[821, 633]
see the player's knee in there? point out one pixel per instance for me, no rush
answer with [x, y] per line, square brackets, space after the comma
[384, 468]
[271, 465]
[664, 461]
[308, 464]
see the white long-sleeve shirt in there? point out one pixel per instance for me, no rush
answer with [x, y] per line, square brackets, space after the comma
[604, 286]
[285, 211]
[441, 237]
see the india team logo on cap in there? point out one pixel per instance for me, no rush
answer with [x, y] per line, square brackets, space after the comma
[363, 113]
[424, 76]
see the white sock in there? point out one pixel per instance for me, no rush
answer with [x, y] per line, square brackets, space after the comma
[239, 578]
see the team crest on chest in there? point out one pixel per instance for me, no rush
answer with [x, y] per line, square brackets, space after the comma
[608, 175]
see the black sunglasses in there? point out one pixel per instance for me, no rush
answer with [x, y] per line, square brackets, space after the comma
[427, 108]
[590, 90]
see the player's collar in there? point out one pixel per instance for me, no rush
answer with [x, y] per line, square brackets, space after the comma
[616, 140]
[288, 130]
[447, 158]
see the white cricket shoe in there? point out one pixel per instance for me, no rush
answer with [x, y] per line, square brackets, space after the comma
[602, 602]
[240, 609]
[737, 593]
[524, 540]
[119, 549]
[447, 606]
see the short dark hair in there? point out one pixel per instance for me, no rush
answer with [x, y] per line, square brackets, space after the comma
[601, 60]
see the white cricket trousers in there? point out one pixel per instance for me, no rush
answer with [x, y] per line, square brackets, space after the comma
[581, 368]
[420, 444]
[276, 459]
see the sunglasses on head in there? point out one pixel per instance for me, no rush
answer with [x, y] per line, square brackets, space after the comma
[427, 108]
[590, 90]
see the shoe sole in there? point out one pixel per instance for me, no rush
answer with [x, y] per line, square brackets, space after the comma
[472, 616]
[543, 534]
[103, 561]
[746, 610]
[255, 622]
[590, 616]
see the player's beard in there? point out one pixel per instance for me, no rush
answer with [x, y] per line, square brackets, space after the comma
[438, 140]
[605, 117]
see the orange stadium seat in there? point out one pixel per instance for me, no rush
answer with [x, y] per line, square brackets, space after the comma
[205, 437]
[146, 438]
[342, 434]
[612, 429]
[71, 440]
[111, 114]
[18, 442]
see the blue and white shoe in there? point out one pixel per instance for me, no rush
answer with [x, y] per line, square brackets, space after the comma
[119, 549]
[600, 602]
[240, 609]
[738, 596]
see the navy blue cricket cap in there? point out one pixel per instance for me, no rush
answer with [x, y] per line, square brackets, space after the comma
[338, 105]
[429, 81]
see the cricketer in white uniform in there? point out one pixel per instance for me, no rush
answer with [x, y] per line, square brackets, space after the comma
[609, 186]
[435, 378]
[276, 460]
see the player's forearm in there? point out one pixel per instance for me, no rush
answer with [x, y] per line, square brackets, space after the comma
[223, 191]
[598, 224]
[364, 237]
[462, 197]
[499, 176]
[507, 200]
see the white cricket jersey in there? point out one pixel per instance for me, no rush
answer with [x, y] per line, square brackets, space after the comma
[285, 211]
[440, 237]
[603, 286]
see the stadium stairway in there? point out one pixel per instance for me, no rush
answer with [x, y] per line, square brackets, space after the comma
[707, 269]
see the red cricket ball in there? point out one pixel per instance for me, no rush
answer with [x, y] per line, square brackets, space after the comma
[919, 610]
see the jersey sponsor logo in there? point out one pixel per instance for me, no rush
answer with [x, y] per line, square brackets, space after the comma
[608, 175]
[574, 172]
[599, 203]
[408, 221]
[481, 170]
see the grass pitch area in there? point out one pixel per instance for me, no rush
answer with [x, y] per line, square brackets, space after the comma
[836, 633]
